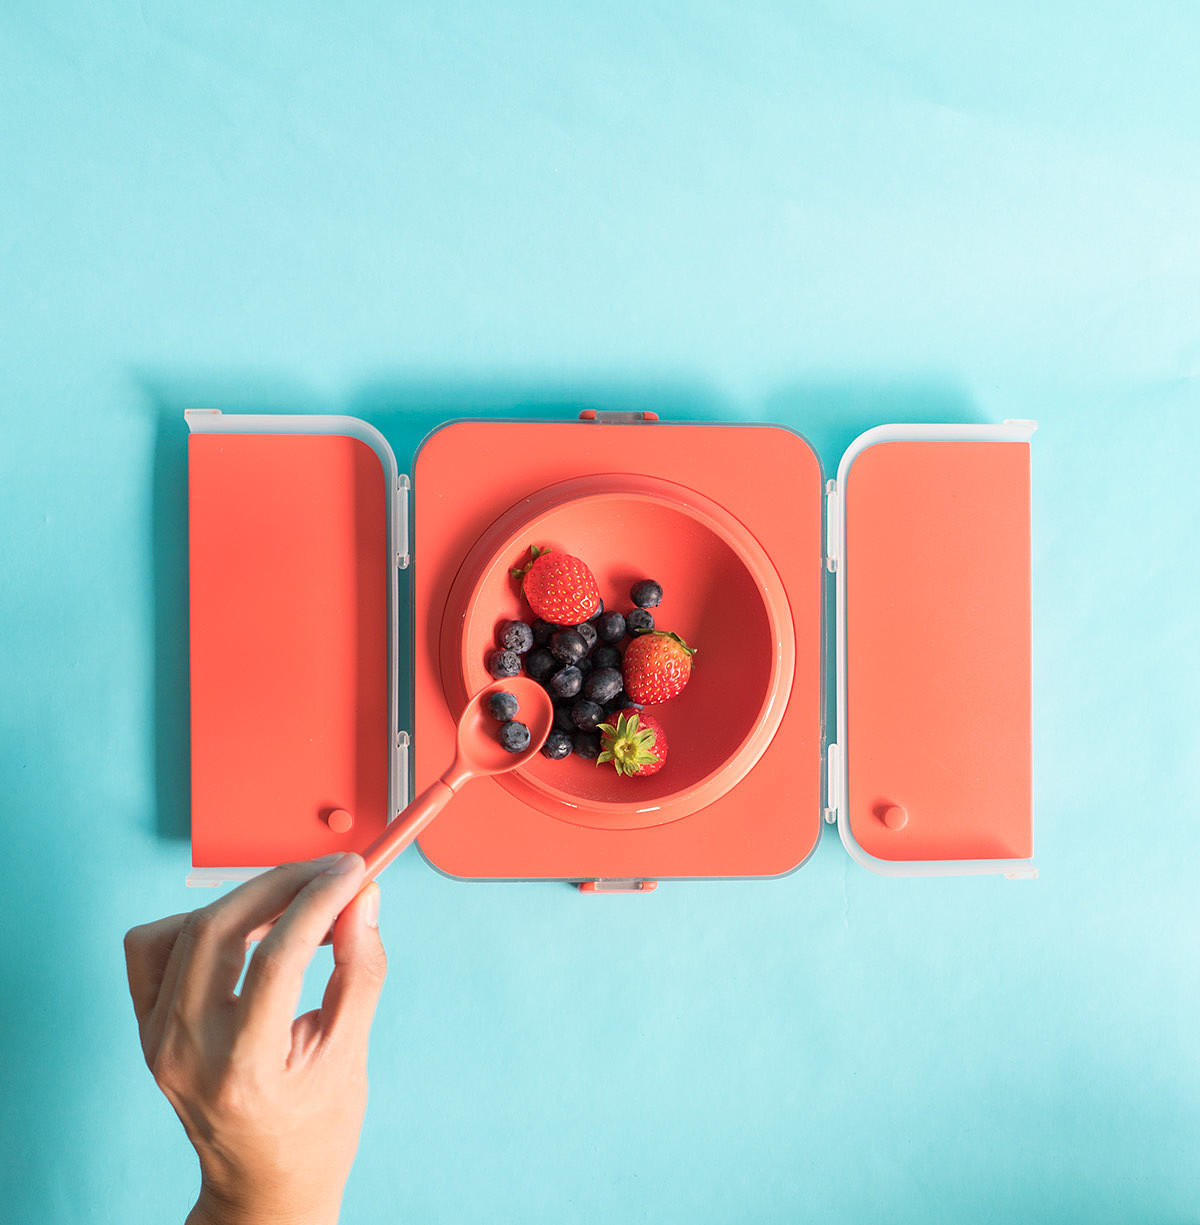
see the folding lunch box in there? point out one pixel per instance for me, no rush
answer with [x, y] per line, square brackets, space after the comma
[307, 545]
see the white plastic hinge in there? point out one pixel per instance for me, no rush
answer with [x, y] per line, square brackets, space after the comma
[833, 783]
[833, 525]
[402, 754]
[403, 485]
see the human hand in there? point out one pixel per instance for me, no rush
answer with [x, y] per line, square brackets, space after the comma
[273, 1103]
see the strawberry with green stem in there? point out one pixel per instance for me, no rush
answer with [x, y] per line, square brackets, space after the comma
[558, 587]
[634, 742]
[657, 666]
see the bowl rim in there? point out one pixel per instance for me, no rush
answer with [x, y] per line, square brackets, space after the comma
[500, 540]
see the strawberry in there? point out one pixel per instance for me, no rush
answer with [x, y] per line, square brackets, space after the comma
[558, 587]
[657, 666]
[634, 742]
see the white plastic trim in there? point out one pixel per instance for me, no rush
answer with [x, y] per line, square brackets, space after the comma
[1010, 431]
[213, 421]
[833, 783]
[403, 752]
[403, 551]
[833, 525]
[210, 878]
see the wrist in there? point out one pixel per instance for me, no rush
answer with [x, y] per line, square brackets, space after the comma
[214, 1209]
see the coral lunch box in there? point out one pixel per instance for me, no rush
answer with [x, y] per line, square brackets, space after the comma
[312, 720]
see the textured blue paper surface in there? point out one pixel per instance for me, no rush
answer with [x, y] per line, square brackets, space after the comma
[827, 216]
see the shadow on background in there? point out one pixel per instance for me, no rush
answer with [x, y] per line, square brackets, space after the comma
[172, 779]
[406, 408]
[832, 412]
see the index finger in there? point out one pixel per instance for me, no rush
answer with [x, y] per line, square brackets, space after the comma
[147, 951]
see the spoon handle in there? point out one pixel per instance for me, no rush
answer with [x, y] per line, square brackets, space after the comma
[405, 827]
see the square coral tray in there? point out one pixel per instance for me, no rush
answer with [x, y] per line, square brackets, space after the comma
[299, 534]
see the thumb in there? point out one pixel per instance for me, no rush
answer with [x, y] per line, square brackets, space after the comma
[359, 968]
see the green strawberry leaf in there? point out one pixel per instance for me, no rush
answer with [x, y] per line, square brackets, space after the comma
[627, 745]
[680, 641]
[519, 572]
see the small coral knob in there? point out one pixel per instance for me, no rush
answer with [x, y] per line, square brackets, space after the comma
[340, 821]
[894, 817]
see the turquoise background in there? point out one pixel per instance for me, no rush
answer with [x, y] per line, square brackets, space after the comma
[823, 215]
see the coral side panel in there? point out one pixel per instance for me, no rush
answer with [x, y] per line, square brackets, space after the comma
[288, 602]
[938, 737]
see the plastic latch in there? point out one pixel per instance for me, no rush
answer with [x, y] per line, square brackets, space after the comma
[833, 783]
[401, 797]
[403, 486]
[593, 414]
[616, 886]
[833, 525]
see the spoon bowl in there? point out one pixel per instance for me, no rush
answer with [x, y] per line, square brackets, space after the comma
[478, 742]
[478, 754]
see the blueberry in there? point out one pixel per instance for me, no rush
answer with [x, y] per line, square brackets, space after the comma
[639, 621]
[502, 664]
[586, 715]
[585, 666]
[587, 631]
[503, 706]
[514, 736]
[515, 636]
[599, 610]
[587, 744]
[603, 685]
[562, 716]
[558, 745]
[646, 594]
[540, 664]
[611, 627]
[603, 657]
[543, 631]
[568, 646]
[566, 682]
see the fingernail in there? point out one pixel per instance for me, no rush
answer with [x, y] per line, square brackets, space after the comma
[347, 861]
[370, 908]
